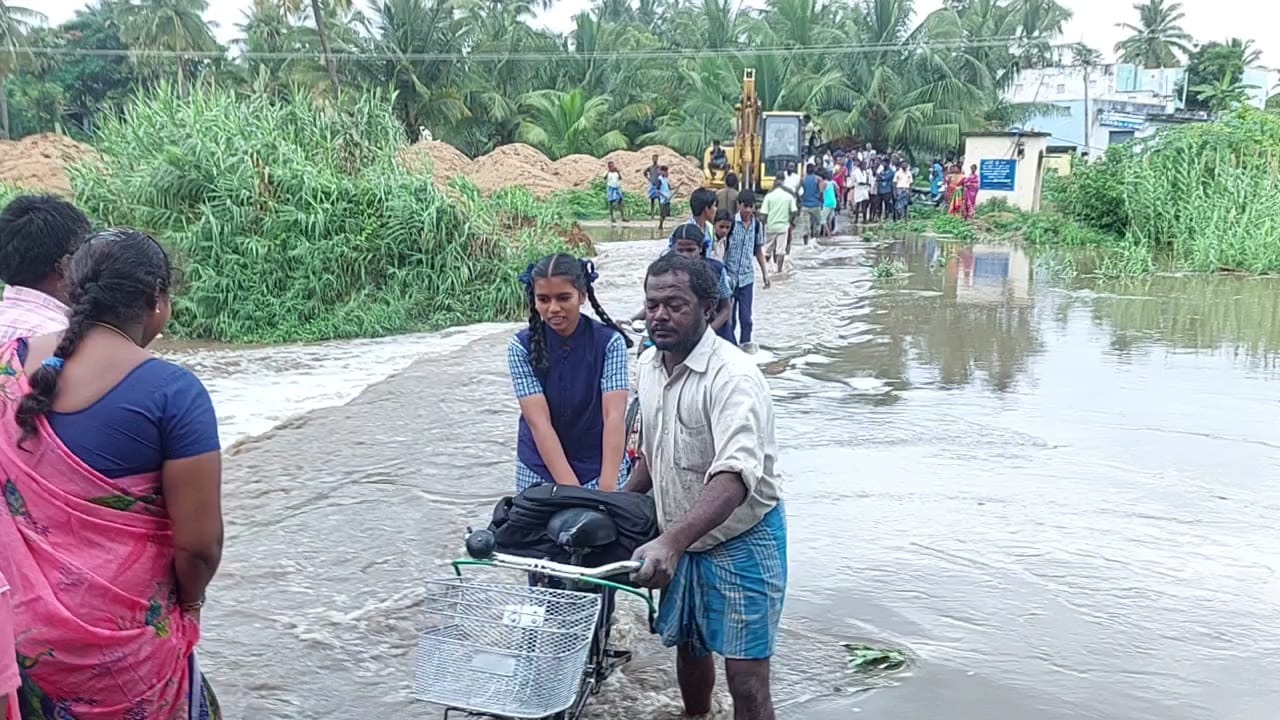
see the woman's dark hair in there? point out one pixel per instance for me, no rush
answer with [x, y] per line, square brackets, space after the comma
[115, 278]
[582, 273]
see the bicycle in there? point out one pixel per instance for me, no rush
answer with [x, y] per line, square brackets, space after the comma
[508, 651]
[631, 422]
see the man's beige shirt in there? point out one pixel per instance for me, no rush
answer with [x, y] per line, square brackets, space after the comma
[713, 414]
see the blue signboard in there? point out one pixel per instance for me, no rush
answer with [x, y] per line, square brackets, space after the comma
[997, 174]
[1128, 121]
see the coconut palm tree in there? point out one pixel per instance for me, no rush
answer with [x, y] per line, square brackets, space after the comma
[1250, 55]
[429, 92]
[1223, 94]
[1037, 22]
[714, 24]
[318, 10]
[564, 123]
[1157, 39]
[909, 94]
[15, 23]
[175, 26]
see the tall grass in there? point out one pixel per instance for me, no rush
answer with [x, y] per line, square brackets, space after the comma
[1205, 191]
[293, 222]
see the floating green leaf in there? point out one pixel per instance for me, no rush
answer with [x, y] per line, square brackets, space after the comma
[867, 658]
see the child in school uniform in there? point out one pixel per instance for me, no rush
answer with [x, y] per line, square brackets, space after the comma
[569, 372]
[690, 242]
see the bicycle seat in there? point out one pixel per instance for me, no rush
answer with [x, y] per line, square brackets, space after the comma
[581, 528]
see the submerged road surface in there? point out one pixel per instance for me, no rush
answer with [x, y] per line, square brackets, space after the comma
[1060, 497]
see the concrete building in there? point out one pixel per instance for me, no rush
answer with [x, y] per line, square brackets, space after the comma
[1010, 166]
[1123, 101]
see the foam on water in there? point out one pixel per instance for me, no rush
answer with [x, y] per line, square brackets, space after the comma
[256, 389]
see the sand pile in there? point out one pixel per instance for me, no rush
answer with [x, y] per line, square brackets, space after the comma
[525, 166]
[515, 164]
[38, 162]
[444, 159]
[578, 171]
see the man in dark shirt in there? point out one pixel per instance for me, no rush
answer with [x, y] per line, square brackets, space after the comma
[884, 188]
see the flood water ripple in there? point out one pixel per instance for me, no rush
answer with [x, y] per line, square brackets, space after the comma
[1059, 496]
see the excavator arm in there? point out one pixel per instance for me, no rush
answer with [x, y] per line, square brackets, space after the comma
[746, 142]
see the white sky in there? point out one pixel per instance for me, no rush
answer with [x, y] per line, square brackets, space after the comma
[1094, 21]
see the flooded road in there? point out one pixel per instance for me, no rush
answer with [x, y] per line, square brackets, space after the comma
[1057, 494]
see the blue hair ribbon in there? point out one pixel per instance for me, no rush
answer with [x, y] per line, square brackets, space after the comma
[589, 270]
[526, 277]
[52, 362]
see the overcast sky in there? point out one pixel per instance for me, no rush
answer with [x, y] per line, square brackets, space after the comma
[1094, 21]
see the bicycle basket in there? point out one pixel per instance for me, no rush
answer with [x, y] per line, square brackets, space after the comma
[502, 649]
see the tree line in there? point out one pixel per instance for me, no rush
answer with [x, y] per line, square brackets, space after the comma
[478, 73]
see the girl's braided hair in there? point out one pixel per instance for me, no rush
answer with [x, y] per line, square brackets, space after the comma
[115, 278]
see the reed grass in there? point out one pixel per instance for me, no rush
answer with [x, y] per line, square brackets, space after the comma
[1205, 191]
[292, 221]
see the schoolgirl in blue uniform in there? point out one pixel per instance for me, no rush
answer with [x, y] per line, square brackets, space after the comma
[690, 241]
[570, 376]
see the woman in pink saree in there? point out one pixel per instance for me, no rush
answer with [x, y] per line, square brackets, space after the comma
[970, 185]
[111, 477]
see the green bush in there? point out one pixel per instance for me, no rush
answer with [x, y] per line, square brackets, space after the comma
[294, 222]
[954, 226]
[589, 203]
[1095, 193]
[1206, 191]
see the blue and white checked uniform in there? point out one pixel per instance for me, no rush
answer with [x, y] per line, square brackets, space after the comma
[740, 255]
[525, 381]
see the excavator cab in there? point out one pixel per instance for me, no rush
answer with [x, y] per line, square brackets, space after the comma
[782, 142]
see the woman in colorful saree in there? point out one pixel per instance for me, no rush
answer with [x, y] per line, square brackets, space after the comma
[970, 183]
[955, 190]
[112, 471]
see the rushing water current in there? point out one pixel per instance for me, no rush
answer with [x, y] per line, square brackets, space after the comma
[1058, 495]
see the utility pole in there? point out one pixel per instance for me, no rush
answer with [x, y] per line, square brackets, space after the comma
[1087, 147]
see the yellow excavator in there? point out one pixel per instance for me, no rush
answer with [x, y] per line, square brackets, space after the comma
[763, 143]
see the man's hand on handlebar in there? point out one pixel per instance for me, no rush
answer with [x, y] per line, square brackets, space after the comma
[658, 559]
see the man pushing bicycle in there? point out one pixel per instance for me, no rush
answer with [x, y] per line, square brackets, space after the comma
[708, 453]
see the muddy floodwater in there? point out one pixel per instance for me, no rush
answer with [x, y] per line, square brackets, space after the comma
[1059, 495]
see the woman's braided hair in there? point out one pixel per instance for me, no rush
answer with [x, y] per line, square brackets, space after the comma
[582, 273]
[115, 278]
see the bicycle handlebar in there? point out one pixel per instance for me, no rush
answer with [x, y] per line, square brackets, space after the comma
[569, 572]
[480, 548]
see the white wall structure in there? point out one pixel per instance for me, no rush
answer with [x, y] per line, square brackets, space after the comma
[1118, 103]
[1010, 166]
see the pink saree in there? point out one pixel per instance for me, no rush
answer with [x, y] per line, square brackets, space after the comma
[90, 562]
[970, 185]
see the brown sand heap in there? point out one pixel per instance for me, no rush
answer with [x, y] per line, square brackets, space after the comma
[525, 166]
[38, 162]
[444, 159]
[515, 164]
[578, 171]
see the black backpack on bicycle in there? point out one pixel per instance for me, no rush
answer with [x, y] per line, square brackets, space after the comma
[519, 523]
